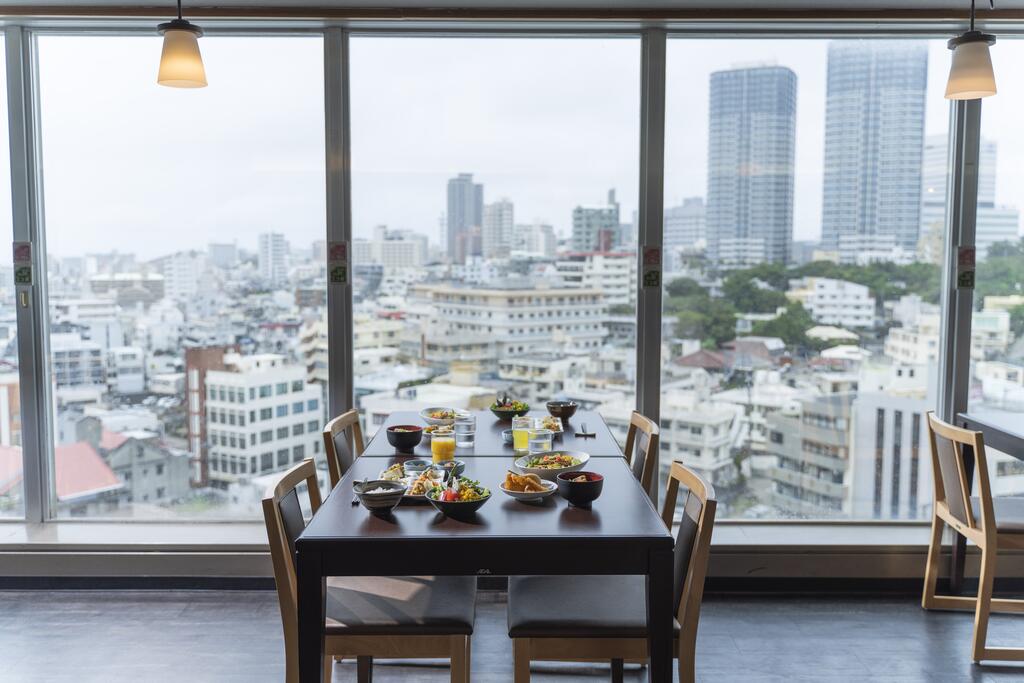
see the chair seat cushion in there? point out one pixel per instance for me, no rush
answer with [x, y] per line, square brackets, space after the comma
[1009, 514]
[578, 607]
[404, 605]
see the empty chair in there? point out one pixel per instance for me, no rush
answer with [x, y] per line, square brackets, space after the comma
[403, 617]
[990, 523]
[343, 443]
[595, 618]
[642, 448]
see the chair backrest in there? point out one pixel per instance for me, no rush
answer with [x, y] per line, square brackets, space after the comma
[642, 448]
[952, 485]
[282, 513]
[343, 443]
[693, 541]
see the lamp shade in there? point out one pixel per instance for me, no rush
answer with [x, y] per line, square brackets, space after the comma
[970, 75]
[181, 64]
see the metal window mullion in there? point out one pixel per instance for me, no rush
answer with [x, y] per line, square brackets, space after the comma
[650, 213]
[30, 304]
[957, 303]
[337, 124]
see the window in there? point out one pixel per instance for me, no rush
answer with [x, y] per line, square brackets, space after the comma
[282, 432]
[297, 407]
[298, 385]
[503, 303]
[125, 276]
[282, 411]
[11, 475]
[298, 453]
[801, 265]
[282, 388]
[997, 322]
[266, 413]
[266, 435]
[282, 457]
[312, 404]
[298, 429]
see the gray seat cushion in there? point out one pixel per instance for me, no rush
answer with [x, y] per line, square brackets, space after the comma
[406, 605]
[578, 607]
[1009, 514]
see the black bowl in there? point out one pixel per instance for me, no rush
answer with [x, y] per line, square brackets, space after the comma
[580, 493]
[506, 414]
[455, 510]
[563, 410]
[405, 441]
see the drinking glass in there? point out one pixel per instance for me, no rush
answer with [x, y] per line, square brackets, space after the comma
[521, 433]
[442, 447]
[540, 441]
[465, 429]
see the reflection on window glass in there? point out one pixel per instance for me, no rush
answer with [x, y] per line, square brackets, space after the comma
[494, 191]
[11, 501]
[186, 270]
[803, 237]
[997, 327]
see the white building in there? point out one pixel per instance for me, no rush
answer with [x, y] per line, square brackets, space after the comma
[596, 228]
[499, 224]
[917, 343]
[183, 273]
[77, 363]
[126, 370]
[1002, 384]
[685, 224]
[101, 318]
[741, 252]
[614, 273]
[261, 415]
[862, 250]
[834, 302]
[393, 249]
[222, 255]
[535, 239]
[273, 257]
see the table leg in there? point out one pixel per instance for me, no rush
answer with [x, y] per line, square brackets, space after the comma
[310, 584]
[659, 615]
[958, 552]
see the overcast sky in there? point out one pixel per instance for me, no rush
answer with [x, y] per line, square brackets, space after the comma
[548, 123]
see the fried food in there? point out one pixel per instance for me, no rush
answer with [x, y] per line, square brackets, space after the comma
[527, 483]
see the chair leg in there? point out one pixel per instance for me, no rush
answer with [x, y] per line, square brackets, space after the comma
[521, 660]
[460, 658]
[328, 668]
[931, 568]
[617, 671]
[984, 608]
[364, 669]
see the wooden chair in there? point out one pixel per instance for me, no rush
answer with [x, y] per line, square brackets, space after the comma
[642, 448]
[595, 618]
[401, 617]
[343, 443]
[1001, 526]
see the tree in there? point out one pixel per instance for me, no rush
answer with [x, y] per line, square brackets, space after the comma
[791, 327]
[685, 286]
[751, 295]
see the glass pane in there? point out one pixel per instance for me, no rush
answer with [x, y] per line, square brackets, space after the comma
[997, 332]
[494, 186]
[185, 234]
[11, 501]
[802, 250]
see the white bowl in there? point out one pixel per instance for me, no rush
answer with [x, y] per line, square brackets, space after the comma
[531, 495]
[425, 414]
[550, 474]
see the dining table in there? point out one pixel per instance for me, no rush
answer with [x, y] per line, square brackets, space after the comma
[1000, 437]
[489, 442]
[621, 533]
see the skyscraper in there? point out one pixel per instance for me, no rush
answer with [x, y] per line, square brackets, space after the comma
[465, 211]
[273, 257]
[752, 138]
[499, 225]
[596, 228]
[874, 134]
[994, 223]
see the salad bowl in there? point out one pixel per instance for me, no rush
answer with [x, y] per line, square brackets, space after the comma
[549, 465]
[445, 499]
[438, 415]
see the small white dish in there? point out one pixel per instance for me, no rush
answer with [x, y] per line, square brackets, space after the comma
[526, 496]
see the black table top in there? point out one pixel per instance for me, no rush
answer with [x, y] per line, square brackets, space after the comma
[999, 437]
[489, 441]
[622, 512]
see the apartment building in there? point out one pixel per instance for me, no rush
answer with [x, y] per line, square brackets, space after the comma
[614, 273]
[834, 302]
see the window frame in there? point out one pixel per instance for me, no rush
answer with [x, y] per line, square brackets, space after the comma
[27, 215]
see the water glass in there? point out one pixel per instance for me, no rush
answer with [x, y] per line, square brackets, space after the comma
[540, 441]
[521, 427]
[465, 430]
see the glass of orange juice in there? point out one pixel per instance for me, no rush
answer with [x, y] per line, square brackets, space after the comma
[521, 427]
[442, 447]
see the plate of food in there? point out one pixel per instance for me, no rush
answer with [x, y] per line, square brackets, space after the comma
[506, 407]
[421, 483]
[549, 465]
[459, 498]
[438, 416]
[431, 430]
[552, 423]
[526, 487]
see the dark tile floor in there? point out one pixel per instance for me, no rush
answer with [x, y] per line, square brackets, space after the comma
[233, 636]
